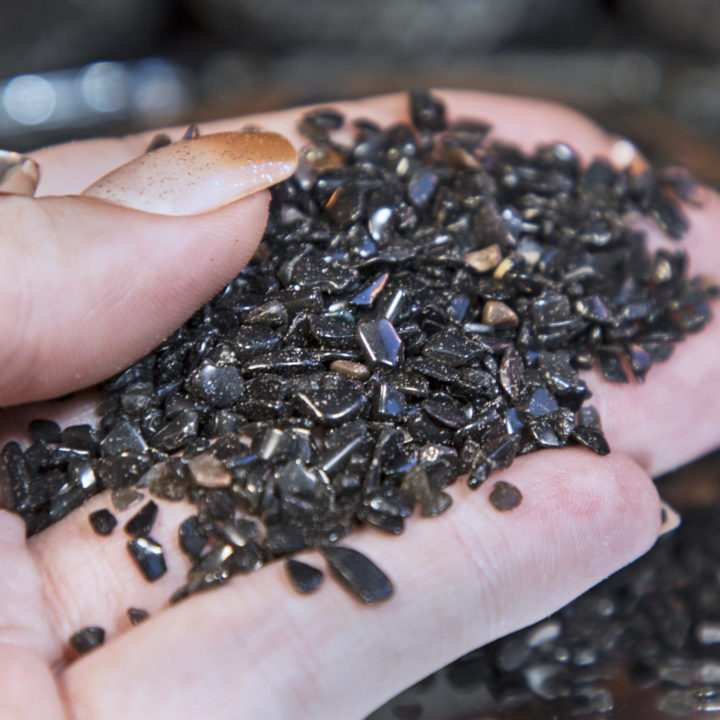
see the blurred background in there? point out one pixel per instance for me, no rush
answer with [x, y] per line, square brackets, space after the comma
[75, 68]
[646, 69]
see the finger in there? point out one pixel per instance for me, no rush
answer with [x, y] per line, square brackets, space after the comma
[581, 516]
[673, 416]
[73, 166]
[92, 579]
[87, 286]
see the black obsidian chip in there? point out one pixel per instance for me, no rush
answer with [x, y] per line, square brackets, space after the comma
[305, 578]
[149, 557]
[102, 521]
[87, 639]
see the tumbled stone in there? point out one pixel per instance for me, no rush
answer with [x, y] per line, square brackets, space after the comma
[141, 523]
[87, 639]
[505, 496]
[149, 557]
[349, 369]
[380, 343]
[218, 386]
[102, 521]
[123, 498]
[207, 471]
[192, 536]
[304, 578]
[358, 574]
[137, 615]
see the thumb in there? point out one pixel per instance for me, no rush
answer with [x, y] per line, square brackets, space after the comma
[90, 283]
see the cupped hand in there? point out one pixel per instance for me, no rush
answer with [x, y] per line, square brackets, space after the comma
[87, 286]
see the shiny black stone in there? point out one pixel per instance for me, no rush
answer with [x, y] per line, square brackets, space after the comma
[149, 557]
[334, 460]
[141, 523]
[426, 111]
[421, 187]
[358, 574]
[305, 578]
[367, 296]
[87, 639]
[611, 366]
[445, 410]
[452, 348]
[192, 536]
[329, 398]
[137, 615]
[424, 429]
[380, 343]
[176, 432]
[347, 204]
[216, 385]
[388, 403]
[505, 496]
[640, 361]
[79, 437]
[17, 483]
[251, 340]
[102, 521]
[331, 332]
[410, 383]
[44, 430]
[124, 437]
[540, 402]
[592, 438]
[122, 470]
[316, 123]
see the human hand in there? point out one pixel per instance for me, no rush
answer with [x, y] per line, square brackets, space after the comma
[253, 648]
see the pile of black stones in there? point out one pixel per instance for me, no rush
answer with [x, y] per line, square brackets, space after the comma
[418, 310]
[650, 635]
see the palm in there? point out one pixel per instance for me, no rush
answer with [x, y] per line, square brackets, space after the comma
[255, 649]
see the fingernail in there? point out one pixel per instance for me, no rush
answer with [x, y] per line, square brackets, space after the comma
[19, 174]
[669, 518]
[200, 174]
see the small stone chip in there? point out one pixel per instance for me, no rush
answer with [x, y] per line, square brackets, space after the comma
[505, 496]
[87, 639]
[305, 578]
[209, 472]
[137, 615]
[498, 314]
[103, 521]
[349, 369]
[484, 260]
[141, 523]
[358, 574]
[148, 554]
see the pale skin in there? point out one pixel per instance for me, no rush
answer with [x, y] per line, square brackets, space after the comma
[255, 649]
